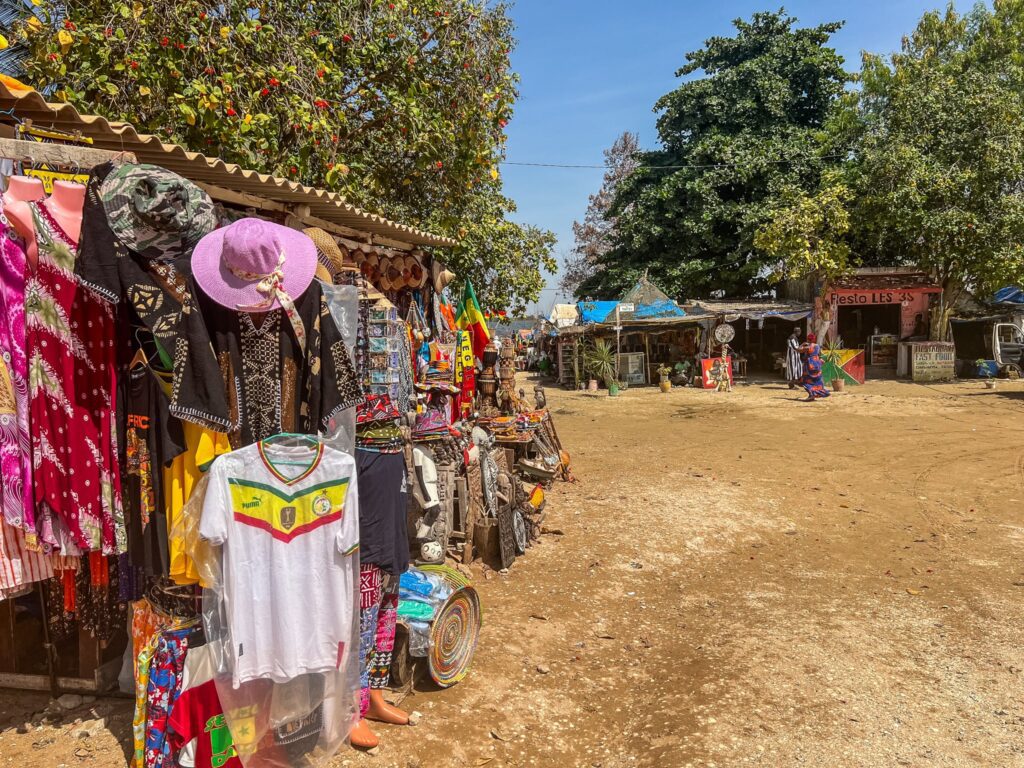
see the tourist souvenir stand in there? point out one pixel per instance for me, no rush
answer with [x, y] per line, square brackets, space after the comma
[353, 351]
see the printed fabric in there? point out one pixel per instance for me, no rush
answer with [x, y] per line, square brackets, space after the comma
[378, 617]
[288, 520]
[87, 599]
[153, 438]
[20, 566]
[70, 340]
[794, 362]
[198, 715]
[143, 664]
[15, 440]
[162, 691]
[811, 380]
[268, 381]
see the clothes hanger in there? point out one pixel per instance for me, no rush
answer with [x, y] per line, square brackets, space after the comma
[309, 440]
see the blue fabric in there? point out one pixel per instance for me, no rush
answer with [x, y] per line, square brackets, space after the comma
[663, 308]
[596, 311]
[415, 582]
[1011, 294]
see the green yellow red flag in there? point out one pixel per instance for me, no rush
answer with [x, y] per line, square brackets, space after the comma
[470, 317]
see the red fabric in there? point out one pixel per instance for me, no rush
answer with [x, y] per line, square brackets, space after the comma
[68, 582]
[70, 338]
[198, 714]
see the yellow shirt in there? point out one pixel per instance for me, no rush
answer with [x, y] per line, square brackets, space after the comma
[201, 447]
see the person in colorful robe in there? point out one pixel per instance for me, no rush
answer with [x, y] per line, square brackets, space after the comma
[810, 354]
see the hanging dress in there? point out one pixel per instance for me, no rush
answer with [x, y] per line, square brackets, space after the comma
[15, 446]
[70, 342]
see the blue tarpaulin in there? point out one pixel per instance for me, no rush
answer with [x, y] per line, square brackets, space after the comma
[596, 311]
[1011, 294]
[664, 308]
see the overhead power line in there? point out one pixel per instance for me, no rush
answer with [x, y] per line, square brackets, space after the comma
[672, 167]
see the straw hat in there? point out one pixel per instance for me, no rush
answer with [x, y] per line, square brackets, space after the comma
[323, 274]
[384, 276]
[417, 274]
[393, 273]
[328, 252]
[441, 277]
[253, 264]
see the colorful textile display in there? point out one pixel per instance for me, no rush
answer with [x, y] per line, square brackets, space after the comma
[70, 341]
[443, 613]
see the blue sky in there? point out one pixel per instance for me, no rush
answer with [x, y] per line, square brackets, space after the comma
[592, 69]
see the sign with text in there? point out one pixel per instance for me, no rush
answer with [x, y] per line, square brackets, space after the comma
[932, 360]
[854, 298]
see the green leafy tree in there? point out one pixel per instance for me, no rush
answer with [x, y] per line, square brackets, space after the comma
[938, 176]
[806, 231]
[401, 106]
[732, 142]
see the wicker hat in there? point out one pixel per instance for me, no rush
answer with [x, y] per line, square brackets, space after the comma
[328, 252]
[418, 274]
[323, 274]
[441, 277]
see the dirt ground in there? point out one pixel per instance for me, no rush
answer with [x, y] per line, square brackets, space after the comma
[741, 579]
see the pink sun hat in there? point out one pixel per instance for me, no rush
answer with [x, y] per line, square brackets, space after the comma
[252, 264]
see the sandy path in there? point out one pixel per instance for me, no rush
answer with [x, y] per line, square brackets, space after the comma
[742, 579]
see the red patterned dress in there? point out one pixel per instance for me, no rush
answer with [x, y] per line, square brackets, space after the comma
[70, 338]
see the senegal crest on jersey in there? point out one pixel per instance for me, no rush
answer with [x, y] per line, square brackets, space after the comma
[286, 516]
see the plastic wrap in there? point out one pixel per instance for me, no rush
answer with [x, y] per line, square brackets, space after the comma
[420, 596]
[343, 303]
[287, 723]
[307, 718]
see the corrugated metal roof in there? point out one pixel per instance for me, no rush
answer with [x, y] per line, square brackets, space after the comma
[767, 308]
[116, 136]
[882, 280]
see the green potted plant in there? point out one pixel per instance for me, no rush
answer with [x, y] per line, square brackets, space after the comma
[985, 371]
[663, 378]
[832, 353]
[600, 363]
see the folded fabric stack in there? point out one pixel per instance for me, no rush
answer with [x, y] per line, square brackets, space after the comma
[377, 427]
[434, 423]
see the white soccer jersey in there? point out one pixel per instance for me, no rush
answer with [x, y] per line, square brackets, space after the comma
[288, 534]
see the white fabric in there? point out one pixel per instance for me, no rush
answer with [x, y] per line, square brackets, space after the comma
[425, 488]
[289, 573]
[794, 365]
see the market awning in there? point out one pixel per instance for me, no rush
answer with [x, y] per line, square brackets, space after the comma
[231, 179]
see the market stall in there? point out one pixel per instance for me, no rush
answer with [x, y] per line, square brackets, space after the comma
[206, 369]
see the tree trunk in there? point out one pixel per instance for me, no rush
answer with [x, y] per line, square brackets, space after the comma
[943, 310]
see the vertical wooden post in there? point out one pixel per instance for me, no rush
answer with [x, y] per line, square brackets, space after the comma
[647, 357]
[8, 661]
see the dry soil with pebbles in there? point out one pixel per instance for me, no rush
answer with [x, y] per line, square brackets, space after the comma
[739, 579]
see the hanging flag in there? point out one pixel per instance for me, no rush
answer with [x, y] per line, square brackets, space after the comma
[469, 317]
[446, 311]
